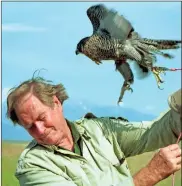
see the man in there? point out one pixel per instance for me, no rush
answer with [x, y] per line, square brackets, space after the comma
[90, 151]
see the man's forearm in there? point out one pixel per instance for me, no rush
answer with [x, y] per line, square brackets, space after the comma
[145, 178]
[163, 164]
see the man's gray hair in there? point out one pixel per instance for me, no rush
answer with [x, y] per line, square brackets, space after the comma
[43, 89]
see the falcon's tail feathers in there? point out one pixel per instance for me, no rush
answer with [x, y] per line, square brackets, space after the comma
[149, 51]
[162, 44]
[151, 47]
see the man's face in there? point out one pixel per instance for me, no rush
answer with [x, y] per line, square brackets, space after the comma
[43, 123]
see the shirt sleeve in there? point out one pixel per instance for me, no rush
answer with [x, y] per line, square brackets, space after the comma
[174, 101]
[39, 177]
[138, 137]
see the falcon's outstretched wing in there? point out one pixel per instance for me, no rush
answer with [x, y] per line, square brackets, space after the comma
[109, 21]
[96, 13]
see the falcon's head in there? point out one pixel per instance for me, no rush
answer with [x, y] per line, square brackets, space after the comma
[80, 45]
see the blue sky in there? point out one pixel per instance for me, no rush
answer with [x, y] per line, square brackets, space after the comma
[44, 35]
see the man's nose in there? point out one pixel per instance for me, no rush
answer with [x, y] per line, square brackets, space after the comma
[39, 127]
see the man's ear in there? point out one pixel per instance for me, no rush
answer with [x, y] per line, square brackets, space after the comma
[56, 101]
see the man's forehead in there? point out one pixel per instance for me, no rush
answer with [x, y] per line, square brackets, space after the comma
[23, 107]
[20, 101]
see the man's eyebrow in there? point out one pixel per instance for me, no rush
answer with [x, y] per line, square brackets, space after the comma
[42, 113]
[27, 126]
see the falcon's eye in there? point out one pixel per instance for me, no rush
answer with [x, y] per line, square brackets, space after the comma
[82, 48]
[79, 48]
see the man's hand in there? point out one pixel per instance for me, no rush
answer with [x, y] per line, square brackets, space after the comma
[166, 162]
[163, 164]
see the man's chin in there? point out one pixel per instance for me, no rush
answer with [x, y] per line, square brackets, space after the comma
[51, 142]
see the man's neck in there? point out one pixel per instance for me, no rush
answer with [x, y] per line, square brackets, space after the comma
[68, 141]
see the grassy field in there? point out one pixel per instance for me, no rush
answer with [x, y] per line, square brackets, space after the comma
[11, 152]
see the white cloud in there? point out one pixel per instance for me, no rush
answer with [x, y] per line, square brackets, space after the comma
[149, 107]
[18, 27]
[83, 106]
[5, 93]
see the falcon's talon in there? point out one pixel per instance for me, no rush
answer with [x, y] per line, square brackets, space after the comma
[160, 88]
[126, 86]
[157, 71]
[130, 89]
[119, 101]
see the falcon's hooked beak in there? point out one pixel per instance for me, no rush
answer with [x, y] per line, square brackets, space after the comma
[77, 52]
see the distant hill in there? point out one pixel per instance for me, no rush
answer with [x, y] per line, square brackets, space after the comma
[76, 110]
[73, 111]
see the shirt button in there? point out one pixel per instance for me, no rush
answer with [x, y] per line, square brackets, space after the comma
[82, 163]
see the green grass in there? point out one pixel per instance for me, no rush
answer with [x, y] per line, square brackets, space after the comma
[12, 150]
[10, 154]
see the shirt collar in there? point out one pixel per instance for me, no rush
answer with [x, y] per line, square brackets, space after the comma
[76, 131]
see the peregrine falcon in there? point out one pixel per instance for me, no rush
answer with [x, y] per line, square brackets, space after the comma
[114, 38]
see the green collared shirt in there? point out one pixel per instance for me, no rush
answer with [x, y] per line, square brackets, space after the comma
[104, 144]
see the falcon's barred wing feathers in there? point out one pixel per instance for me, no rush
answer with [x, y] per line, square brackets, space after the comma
[116, 25]
[95, 14]
[105, 20]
